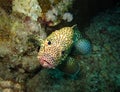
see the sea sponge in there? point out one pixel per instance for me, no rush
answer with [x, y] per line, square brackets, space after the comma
[83, 46]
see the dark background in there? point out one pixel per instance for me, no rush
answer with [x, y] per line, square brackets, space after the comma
[84, 10]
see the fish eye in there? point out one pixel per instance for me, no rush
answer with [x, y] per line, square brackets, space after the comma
[49, 42]
[63, 52]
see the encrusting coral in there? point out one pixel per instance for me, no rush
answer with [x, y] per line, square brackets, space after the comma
[50, 11]
[17, 51]
[30, 8]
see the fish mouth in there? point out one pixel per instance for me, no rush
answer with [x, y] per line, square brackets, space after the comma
[46, 63]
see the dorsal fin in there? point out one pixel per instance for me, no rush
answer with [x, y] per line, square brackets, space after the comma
[74, 26]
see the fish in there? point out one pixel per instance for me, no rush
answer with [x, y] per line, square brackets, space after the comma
[56, 47]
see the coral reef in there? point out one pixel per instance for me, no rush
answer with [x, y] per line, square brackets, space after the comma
[58, 12]
[49, 11]
[17, 52]
[30, 8]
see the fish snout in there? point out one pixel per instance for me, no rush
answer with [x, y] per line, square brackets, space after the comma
[47, 61]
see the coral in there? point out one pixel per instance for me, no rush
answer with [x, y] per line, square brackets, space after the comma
[30, 8]
[17, 52]
[51, 16]
[10, 86]
[48, 10]
[35, 29]
[58, 12]
[68, 17]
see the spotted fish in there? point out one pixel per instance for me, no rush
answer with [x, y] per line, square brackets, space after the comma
[56, 47]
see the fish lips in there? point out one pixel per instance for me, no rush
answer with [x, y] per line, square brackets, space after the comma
[45, 63]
